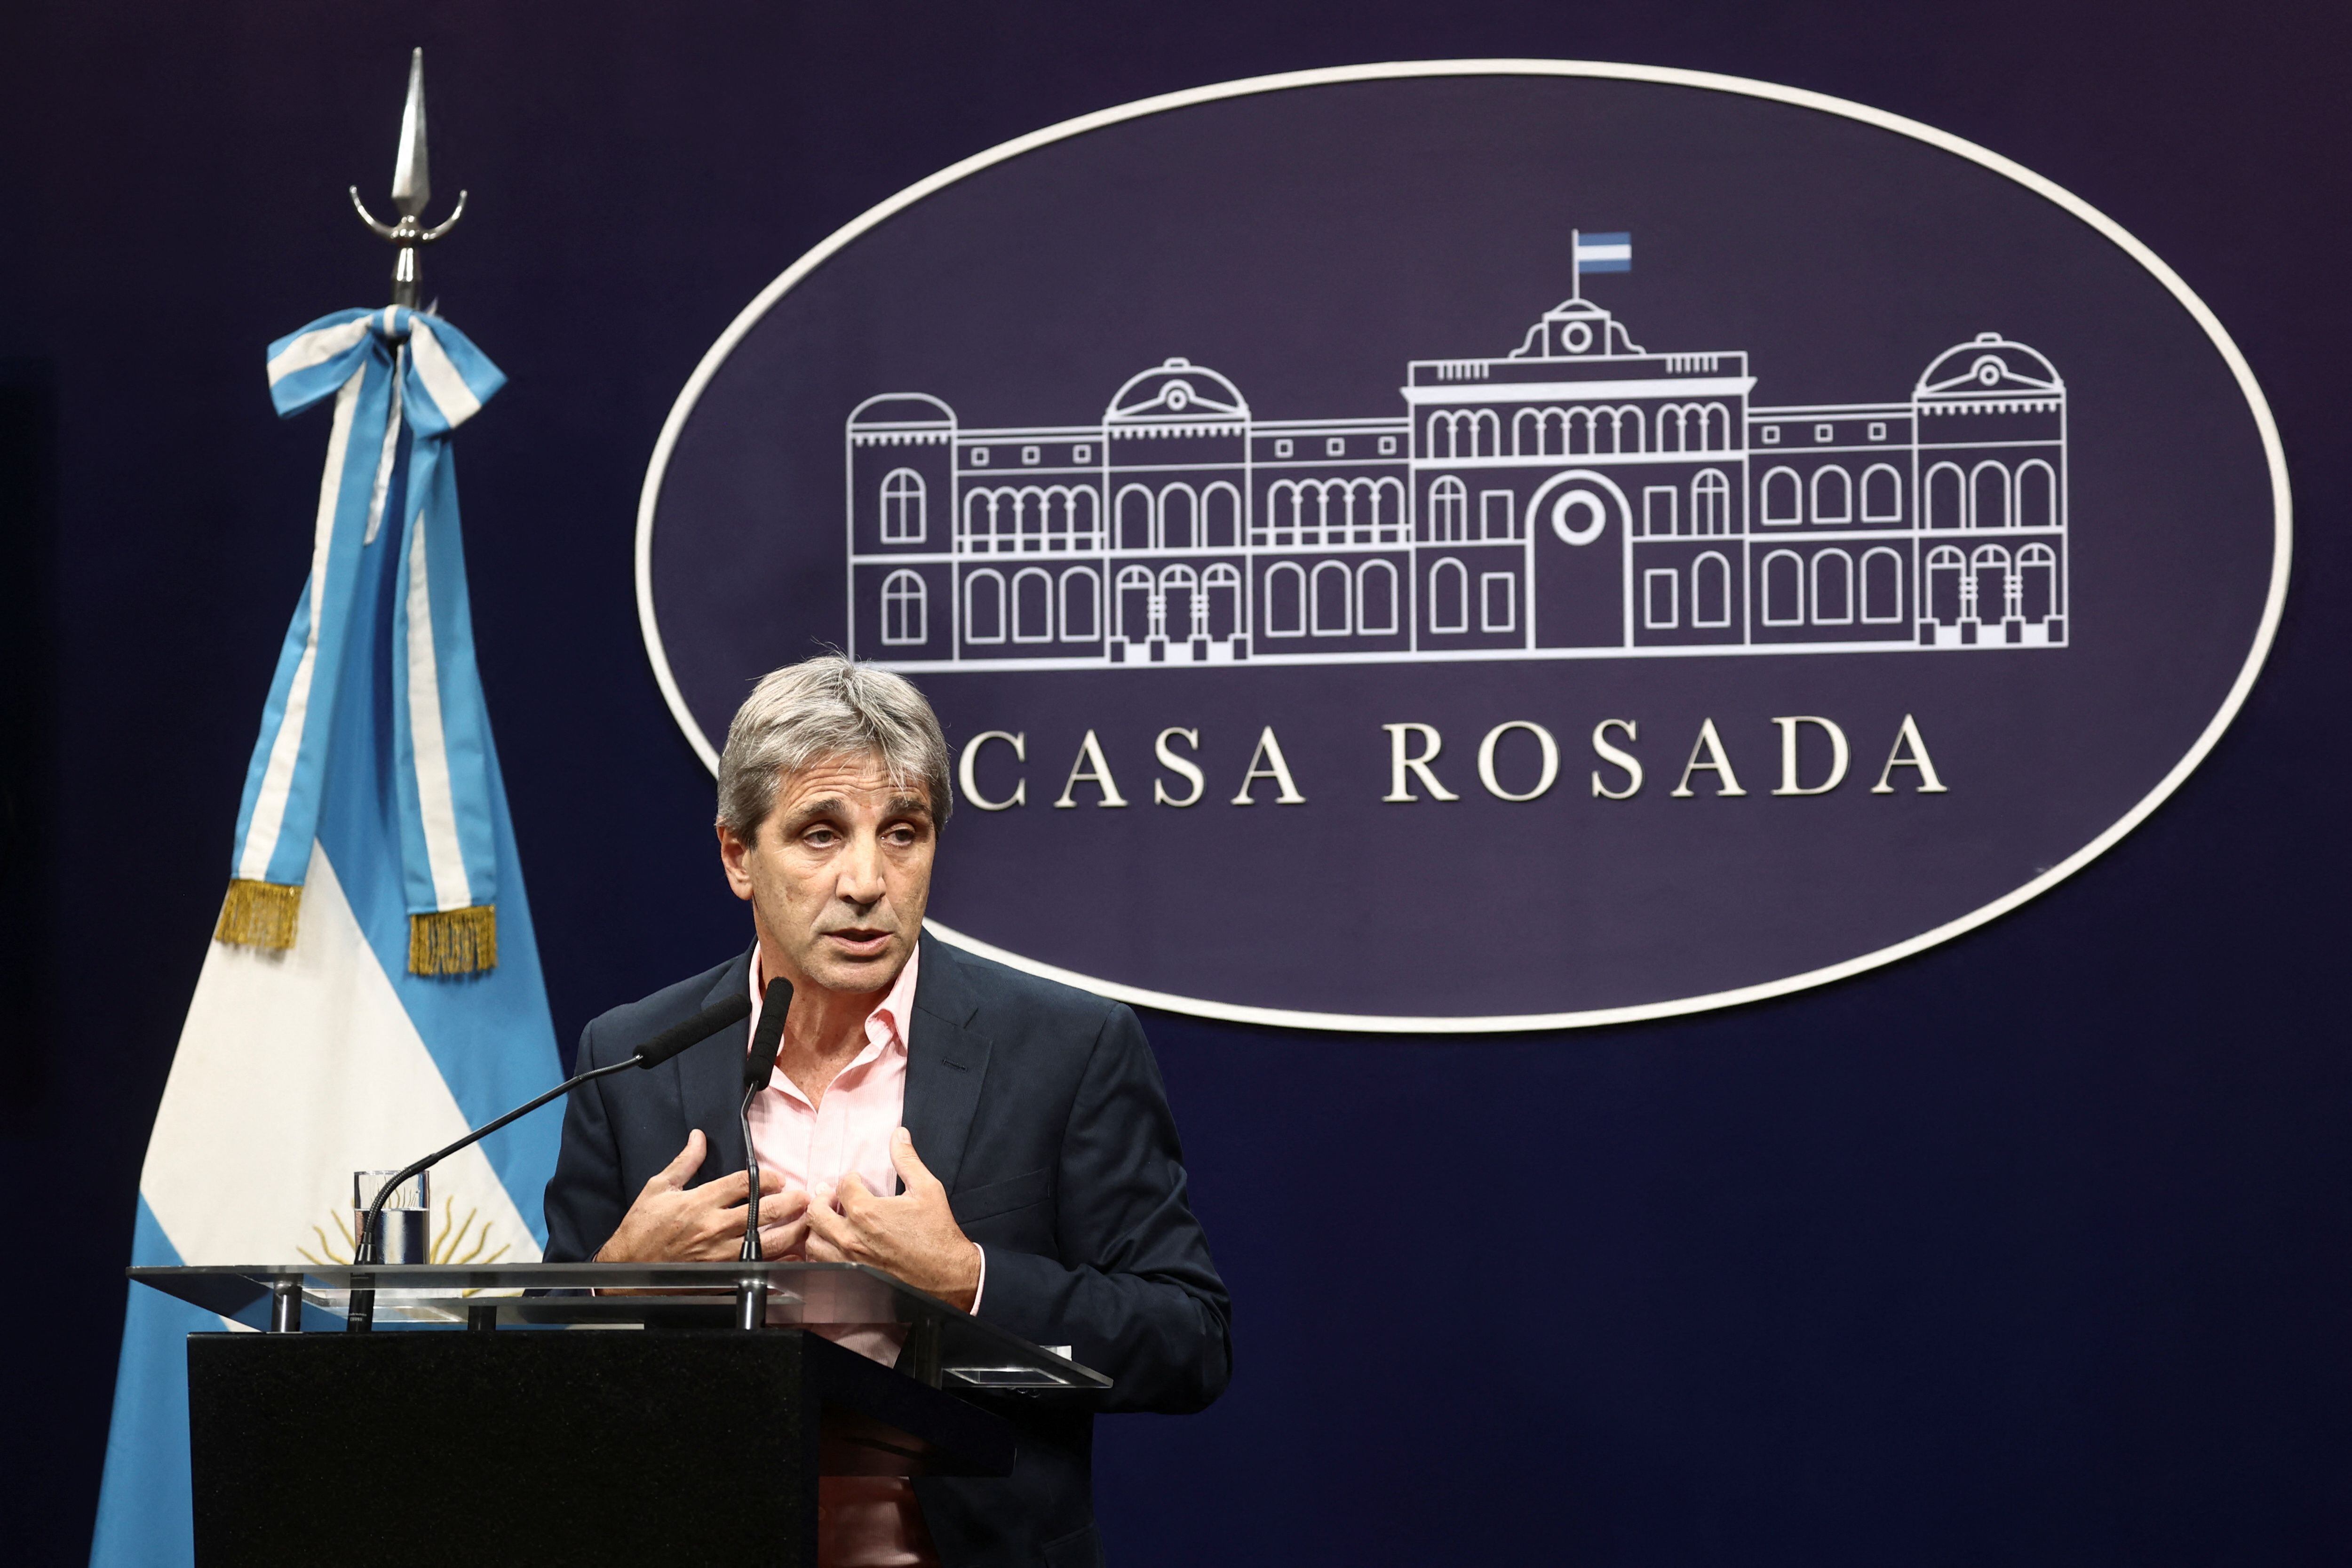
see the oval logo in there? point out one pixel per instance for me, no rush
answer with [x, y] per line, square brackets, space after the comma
[1486, 545]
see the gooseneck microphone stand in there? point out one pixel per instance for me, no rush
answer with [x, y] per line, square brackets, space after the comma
[368, 1251]
[758, 1066]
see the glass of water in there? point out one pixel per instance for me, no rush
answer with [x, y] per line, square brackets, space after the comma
[406, 1224]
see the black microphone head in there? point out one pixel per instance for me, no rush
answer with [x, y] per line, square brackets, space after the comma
[701, 1026]
[769, 1038]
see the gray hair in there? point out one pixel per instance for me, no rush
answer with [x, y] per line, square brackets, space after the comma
[828, 707]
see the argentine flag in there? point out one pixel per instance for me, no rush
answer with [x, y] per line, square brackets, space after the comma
[374, 988]
[1604, 253]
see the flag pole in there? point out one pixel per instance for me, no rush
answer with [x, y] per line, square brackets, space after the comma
[411, 188]
[1575, 261]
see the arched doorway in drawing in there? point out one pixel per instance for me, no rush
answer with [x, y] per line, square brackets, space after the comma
[1577, 525]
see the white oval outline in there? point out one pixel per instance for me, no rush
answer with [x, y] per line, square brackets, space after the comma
[1361, 1022]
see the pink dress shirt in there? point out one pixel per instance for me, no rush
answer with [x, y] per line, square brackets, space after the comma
[812, 1147]
[863, 1521]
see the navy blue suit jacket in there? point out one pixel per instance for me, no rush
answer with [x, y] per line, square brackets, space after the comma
[1040, 1108]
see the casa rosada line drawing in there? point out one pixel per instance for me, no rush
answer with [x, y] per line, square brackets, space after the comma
[1578, 498]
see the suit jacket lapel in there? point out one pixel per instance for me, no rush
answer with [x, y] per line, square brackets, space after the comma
[946, 1061]
[710, 1079]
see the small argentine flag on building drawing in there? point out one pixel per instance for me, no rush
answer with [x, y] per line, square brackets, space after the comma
[1603, 253]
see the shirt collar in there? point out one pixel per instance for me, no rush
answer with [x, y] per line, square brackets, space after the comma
[885, 1025]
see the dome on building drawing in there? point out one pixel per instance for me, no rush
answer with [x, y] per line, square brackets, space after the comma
[1178, 389]
[902, 411]
[1989, 366]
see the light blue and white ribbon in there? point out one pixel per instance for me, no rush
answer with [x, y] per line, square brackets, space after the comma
[401, 382]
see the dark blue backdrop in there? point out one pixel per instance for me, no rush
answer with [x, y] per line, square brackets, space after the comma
[2032, 1248]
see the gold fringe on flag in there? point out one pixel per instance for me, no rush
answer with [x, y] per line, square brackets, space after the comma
[259, 914]
[453, 942]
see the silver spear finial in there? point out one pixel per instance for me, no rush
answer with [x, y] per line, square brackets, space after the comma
[412, 179]
[412, 188]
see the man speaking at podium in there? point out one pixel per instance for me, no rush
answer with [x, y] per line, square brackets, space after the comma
[1001, 1142]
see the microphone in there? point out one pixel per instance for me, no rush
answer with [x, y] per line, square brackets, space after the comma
[369, 1249]
[693, 1031]
[758, 1066]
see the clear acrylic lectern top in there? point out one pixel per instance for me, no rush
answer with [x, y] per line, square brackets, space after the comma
[969, 1354]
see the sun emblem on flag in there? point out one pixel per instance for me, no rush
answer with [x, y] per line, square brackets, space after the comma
[455, 1242]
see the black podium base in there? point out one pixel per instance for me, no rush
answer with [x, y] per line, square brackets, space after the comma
[584, 1447]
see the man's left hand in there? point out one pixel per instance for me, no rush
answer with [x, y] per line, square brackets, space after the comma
[913, 1236]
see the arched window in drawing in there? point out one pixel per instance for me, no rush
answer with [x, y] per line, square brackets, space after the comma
[1183, 614]
[1066, 512]
[1989, 494]
[2037, 583]
[906, 610]
[1784, 588]
[1332, 601]
[1710, 504]
[1135, 603]
[1832, 494]
[1029, 519]
[2037, 495]
[1388, 511]
[1449, 511]
[1134, 510]
[1179, 516]
[1081, 604]
[1718, 422]
[1693, 427]
[1948, 499]
[1086, 518]
[1784, 497]
[1282, 513]
[1285, 600]
[1580, 432]
[1947, 574]
[1674, 432]
[983, 606]
[1221, 592]
[1466, 432]
[1220, 516]
[978, 521]
[1449, 597]
[1376, 599]
[1628, 429]
[1539, 433]
[1882, 494]
[1355, 501]
[904, 506]
[1992, 587]
[1832, 588]
[1711, 590]
[1311, 506]
[1033, 605]
[1882, 586]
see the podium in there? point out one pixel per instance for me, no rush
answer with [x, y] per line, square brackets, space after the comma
[534, 1412]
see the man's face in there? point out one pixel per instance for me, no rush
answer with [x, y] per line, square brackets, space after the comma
[839, 875]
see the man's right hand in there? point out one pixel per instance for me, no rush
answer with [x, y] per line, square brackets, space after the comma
[673, 1223]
